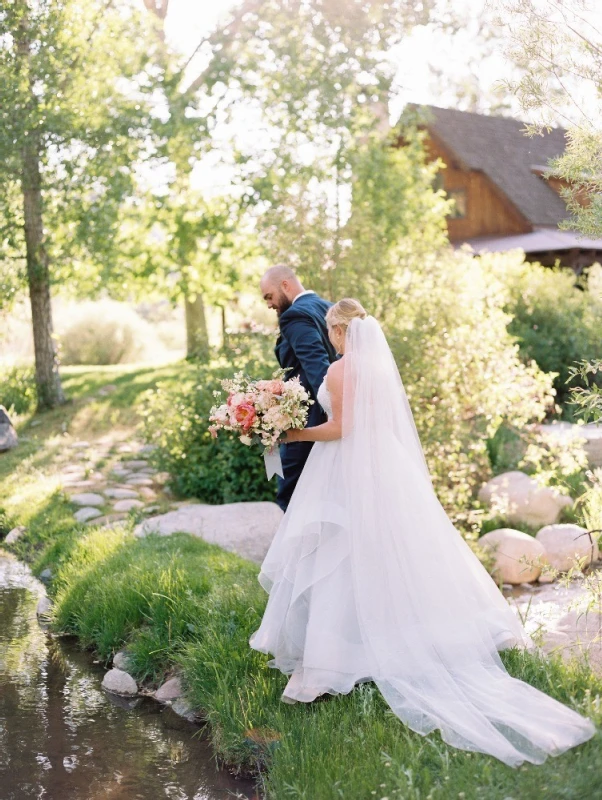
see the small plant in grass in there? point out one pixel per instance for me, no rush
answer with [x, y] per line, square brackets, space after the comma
[586, 393]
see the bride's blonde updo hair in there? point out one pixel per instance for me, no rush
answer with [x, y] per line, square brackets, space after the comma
[344, 311]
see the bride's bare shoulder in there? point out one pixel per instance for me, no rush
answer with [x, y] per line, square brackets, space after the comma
[335, 373]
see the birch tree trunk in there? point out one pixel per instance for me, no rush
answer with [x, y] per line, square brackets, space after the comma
[50, 391]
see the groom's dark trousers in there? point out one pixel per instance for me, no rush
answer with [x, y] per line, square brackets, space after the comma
[304, 347]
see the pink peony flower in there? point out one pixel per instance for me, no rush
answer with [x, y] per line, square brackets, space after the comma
[245, 415]
[235, 399]
[274, 386]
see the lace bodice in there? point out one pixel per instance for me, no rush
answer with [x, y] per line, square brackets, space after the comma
[324, 399]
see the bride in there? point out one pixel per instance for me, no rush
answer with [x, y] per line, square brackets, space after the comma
[368, 580]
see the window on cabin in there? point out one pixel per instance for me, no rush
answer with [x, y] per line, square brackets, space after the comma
[460, 209]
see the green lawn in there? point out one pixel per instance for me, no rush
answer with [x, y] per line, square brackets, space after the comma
[179, 602]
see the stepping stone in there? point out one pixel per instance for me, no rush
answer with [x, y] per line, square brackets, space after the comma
[119, 493]
[170, 690]
[183, 709]
[147, 471]
[152, 509]
[148, 448]
[107, 520]
[119, 682]
[80, 445]
[67, 470]
[161, 477]
[82, 484]
[135, 464]
[120, 471]
[44, 606]
[139, 480]
[86, 513]
[147, 493]
[127, 505]
[125, 448]
[121, 660]
[74, 477]
[87, 499]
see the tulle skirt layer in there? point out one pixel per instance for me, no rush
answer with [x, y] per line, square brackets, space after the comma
[310, 624]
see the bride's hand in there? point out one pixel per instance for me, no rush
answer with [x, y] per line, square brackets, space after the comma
[292, 435]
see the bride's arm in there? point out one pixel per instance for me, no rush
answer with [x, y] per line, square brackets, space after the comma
[332, 429]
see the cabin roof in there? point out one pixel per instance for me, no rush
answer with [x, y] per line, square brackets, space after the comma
[540, 240]
[499, 147]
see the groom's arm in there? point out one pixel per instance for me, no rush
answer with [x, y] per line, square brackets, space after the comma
[304, 337]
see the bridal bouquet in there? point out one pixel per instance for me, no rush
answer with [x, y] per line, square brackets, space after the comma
[259, 412]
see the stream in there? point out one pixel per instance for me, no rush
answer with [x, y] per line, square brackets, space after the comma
[63, 738]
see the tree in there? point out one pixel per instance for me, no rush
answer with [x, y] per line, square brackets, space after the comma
[559, 46]
[312, 82]
[185, 133]
[73, 119]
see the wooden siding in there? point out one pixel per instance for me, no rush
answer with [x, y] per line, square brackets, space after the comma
[489, 212]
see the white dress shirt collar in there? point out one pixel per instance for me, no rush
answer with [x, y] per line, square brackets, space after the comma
[307, 291]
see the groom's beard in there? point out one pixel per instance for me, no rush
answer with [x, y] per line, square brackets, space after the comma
[283, 305]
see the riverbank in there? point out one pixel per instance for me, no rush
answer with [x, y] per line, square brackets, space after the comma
[179, 604]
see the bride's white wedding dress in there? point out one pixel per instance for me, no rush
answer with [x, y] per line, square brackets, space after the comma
[369, 580]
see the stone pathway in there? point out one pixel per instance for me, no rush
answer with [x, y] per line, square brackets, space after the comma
[106, 480]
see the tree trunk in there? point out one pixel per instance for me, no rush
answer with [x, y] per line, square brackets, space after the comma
[50, 391]
[197, 338]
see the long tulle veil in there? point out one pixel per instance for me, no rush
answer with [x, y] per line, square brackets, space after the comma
[431, 619]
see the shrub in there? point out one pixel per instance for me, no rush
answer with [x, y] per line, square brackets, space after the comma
[107, 332]
[176, 420]
[461, 369]
[18, 389]
[555, 323]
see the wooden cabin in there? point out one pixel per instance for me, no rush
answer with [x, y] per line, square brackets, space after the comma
[495, 174]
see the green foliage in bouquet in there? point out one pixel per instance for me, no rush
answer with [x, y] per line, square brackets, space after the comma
[176, 418]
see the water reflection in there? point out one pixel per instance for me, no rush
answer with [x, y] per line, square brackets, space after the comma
[61, 738]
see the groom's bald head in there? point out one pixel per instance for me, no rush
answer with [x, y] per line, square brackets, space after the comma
[279, 287]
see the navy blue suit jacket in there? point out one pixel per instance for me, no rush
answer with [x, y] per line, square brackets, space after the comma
[304, 347]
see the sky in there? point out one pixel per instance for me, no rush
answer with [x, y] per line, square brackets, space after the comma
[429, 64]
[189, 20]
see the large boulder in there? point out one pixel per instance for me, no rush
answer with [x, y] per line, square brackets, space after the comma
[517, 555]
[243, 528]
[8, 435]
[520, 499]
[566, 545]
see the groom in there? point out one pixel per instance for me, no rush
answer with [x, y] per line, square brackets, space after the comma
[304, 347]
